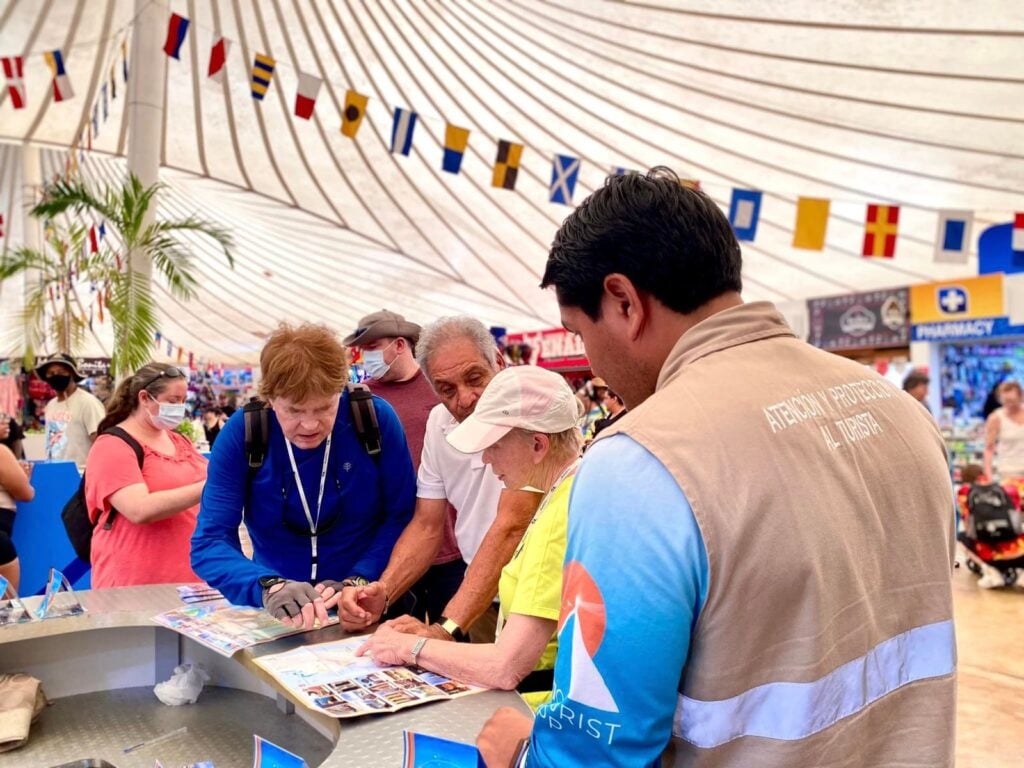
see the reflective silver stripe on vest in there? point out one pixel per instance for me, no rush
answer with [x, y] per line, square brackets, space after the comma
[791, 711]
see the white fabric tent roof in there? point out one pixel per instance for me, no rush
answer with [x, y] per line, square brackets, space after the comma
[917, 104]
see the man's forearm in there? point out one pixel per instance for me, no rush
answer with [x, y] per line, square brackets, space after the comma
[414, 551]
[480, 584]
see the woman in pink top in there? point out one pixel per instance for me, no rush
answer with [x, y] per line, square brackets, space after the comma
[148, 539]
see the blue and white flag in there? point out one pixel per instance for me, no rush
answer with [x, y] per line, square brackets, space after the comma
[744, 212]
[618, 170]
[401, 131]
[564, 171]
[953, 238]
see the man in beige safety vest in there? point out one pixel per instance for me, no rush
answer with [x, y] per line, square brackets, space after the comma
[759, 554]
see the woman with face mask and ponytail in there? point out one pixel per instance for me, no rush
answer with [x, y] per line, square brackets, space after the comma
[146, 539]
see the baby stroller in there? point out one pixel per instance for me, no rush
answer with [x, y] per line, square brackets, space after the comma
[991, 533]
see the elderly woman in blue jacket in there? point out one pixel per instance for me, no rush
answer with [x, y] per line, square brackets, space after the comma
[322, 511]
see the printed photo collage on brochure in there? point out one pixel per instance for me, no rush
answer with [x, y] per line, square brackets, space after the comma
[381, 691]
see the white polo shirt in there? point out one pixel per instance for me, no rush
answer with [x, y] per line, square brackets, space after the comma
[462, 478]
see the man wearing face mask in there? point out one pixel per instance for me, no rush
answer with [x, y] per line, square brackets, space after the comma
[73, 416]
[387, 343]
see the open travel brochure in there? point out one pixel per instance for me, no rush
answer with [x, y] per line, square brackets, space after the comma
[329, 678]
[226, 628]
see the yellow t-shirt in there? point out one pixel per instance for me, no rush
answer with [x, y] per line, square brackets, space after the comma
[531, 583]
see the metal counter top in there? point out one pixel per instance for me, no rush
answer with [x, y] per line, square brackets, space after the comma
[371, 740]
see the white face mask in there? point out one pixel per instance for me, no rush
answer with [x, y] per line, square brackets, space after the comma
[373, 362]
[169, 416]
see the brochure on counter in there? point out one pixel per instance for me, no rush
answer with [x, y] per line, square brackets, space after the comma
[425, 751]
[227, 628]
[330, 679]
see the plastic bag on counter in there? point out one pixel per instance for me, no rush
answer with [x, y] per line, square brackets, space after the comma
[184, 685]
[21, 702]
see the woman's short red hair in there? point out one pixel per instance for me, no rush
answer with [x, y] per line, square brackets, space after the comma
[302, 362]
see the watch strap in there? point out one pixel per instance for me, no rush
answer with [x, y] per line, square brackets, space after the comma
[453, 629]
[417, 647]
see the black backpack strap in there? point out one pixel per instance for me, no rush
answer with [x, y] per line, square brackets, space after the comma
[139, 457]
[364, 417]
[257, 433]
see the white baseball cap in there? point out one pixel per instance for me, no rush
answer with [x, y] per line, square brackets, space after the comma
[523, 397]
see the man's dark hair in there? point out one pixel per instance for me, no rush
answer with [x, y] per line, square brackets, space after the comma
[669, 240]
[915, 379]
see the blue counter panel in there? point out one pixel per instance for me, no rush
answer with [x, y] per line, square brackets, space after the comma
[39, 533]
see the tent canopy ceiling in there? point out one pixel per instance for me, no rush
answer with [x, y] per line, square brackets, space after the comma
[916, 104]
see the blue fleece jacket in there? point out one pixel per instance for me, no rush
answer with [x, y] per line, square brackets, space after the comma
[366, 506]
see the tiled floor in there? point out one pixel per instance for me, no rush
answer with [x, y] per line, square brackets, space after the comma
[990, 640]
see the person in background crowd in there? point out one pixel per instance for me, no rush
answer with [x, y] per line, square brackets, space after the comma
[11, 435]
[916, 385]
[320, 510]
[525, 424]
[1004, 435]
[15, 486]
[459, 357]
[387, 342]
[73, 416]
[143, 517]
[701, 605]
[593, 397]
[616, 409]
[213, 420]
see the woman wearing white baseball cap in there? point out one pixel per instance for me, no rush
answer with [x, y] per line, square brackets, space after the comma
[526, 423]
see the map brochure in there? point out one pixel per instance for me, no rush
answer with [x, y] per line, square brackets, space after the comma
[198, 593]
[226, 628]
[330, 679]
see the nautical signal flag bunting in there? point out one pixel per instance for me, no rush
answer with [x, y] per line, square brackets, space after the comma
[744, 212]
[218, 57]
[355, 110]
[1017, 235]
[455, 142]
[953, 236]
[305, 99]
[262, 72]
[880, 228]
[177, 28]
[14, 72]
[61, 84]
[402, 130]
[811, 223]
[506, 165]
[564, 171]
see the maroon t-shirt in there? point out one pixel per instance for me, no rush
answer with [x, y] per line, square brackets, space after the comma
[413, 400]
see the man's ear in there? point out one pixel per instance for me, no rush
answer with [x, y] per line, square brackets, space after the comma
[499, 359]
[624, 303]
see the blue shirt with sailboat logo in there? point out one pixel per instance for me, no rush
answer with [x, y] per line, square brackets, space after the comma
[635, 579]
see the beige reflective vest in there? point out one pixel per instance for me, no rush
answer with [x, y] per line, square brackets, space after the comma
[824, 500]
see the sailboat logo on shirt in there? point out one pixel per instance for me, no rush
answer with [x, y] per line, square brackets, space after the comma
[583, 604]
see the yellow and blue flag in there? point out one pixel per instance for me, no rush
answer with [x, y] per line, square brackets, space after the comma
[262, 72]
[455, 142]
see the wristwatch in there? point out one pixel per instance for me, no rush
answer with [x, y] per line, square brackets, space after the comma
[354, 581]
[266, 582]
[453, 629]
[417, 647]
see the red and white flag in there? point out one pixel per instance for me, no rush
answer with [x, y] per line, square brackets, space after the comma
[14, 73]
[305, 99]
[218, 56]
[1017, 238]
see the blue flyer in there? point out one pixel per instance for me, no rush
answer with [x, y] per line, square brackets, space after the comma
[423, 751]
[269, 755]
